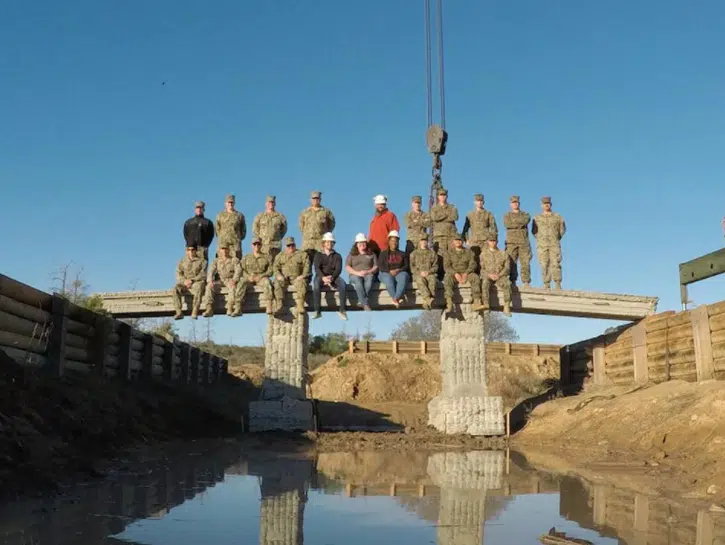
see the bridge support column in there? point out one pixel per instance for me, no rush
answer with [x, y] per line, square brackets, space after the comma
[283, 403]
[464, 405]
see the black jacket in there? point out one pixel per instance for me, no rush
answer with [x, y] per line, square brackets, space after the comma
[328, 265]
[198, 231]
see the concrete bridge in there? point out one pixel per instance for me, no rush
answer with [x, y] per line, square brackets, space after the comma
[464, 405]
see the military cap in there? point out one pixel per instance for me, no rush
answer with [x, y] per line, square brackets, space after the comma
[191, 247]
[271, 198]
[315, 195]
[230, 198]
[256, 240]
[514, 198]
[199, 204]
[478, 197]
[423, 237]
[289, 241]
[417, 198]
[457, 236]
[223, 247]
[546, 199]
[442, 191]
[492, 236]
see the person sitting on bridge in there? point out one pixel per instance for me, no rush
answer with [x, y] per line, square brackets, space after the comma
[496, 270]
[257, 271]
[393, 267]
[229, 271]
[328, 267]
[459, 264]
[361, 264]
[190, 278]
[291, 267]
[424, 271]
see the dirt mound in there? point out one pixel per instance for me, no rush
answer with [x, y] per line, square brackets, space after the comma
[250, 372]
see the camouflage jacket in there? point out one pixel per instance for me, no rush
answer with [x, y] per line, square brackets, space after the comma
[292, 265]
[461, 261]
[517, 227]
[423, 260]
[416, 224]
[495, 262]
[548, 229]
[231, 227]
[191, 269]
[270, 227]
[480, 223]
[227, 269]
[443, 218]
[315, 222]
[256, 265]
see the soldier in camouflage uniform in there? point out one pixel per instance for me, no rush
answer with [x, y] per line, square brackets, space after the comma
[443, 216]
[548, 228]
[518, 246]
[231, 227]
[257, 271]
[424, 270]
[416, 224]
[271, 227]
[460, 267]
[291, 267]
[495, 270]
[315, 221]
[190, 276]
[229, 270]
[480, 222]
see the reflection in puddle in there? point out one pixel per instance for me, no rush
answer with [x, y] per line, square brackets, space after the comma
[446, 498]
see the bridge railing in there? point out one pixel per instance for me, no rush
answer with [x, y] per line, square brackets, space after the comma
[46, 331]
[433, 347]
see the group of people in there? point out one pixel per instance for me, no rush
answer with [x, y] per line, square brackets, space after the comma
[377, 256]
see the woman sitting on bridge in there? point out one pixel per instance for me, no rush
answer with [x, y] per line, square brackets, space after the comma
[362, 267]
[394, 269]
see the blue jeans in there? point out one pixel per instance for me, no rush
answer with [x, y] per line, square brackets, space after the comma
[317, 292]
[395, 284]
[362, 286]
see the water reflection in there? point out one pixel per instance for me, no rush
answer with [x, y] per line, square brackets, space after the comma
[273, 498]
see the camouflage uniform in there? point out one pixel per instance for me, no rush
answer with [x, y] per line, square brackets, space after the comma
[416, 226]
[315, 222]
[425, 261]
[229, 270]
[257, 265]
[193, 269]
[498, 262]
[231, 227]
[480, 223]
[287, 267]
[548, 229]
[461, 261]
[443, 218]
[270, 227]
[518, 246]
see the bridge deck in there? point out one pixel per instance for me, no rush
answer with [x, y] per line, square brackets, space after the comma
[142, 304]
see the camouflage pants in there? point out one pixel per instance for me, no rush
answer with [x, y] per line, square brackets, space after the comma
[271, 251]
[476, 247]
[504, 282]
[280, 286]
[212, 291]
[196, 290]
[264, 283]
[425, 287]
[235, 247]
[520, 252]
[441, 244]
[203, 251]
[550, 262]
[473, 280]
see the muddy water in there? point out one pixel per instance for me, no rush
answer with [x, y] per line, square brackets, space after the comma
[230, 496]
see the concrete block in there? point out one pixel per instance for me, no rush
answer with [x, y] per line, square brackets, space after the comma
[285, 363]
[286, 414]
[475, 470]
[472, 415]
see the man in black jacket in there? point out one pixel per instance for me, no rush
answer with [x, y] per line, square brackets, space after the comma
[328, 267]
[199, 231]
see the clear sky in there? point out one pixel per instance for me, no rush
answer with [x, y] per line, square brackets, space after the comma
[613, 109]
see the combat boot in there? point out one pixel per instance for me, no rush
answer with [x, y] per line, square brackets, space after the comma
[485, 305]
[179, 315]
[209, 312]
[449, 304]
[270, 308]
[194, 314]
[527, 284]
[301, 307]
[547, 285]
[557, 285]
[507, 308]
[477, 306]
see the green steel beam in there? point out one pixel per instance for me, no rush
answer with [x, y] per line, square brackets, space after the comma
[703, 267]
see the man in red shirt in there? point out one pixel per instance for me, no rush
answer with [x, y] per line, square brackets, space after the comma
[382, 223]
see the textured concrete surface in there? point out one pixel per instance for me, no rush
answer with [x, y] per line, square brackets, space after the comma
[285, 414]
[281, 519]
[285, 360]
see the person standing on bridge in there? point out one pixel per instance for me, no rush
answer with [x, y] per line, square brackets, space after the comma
[315, 221]
[460, 269]
[382, 223]
[256, 271]
[548, 228]
[362, 266]
[496, 271]
[393, 267]
[518, 246]
[443, 216]
[480, 222]
[291, 268]
[229, 271]
[328, 270]
[190, 277]
[231, 227]
[199, 231]
[424, 271]
[270, 227]
[416, 224]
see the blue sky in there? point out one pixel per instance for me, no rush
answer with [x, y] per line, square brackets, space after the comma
[614, 109]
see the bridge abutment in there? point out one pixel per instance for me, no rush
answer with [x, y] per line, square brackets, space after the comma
[464, 405]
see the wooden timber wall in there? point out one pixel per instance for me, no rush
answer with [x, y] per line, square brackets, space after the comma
[433, 347]
[42, 330]
[687, 345]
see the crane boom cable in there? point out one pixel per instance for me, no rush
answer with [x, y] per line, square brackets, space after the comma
[441, 84]
[428, 75]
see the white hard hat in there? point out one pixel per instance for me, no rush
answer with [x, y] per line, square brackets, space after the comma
[393, 233]
[328, 236]
[360, 237]
[380, 199]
